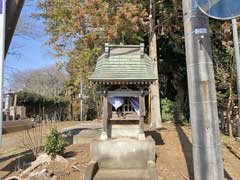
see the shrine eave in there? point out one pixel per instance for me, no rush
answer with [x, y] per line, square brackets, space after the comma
[122, 82]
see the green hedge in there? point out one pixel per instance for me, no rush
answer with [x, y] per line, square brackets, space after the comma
[39, 105]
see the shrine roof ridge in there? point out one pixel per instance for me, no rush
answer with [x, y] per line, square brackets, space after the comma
[123, 62]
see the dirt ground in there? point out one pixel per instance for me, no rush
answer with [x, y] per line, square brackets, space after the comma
[173, 149]
[13, 151]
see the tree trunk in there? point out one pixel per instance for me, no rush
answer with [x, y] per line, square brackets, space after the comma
[43, 114]
[55, 115]
[222, 119]
[179, 104]
[238, 124]
[71, 108]
[15, 107]
[156, 120]
[39, 112]
[229, 113]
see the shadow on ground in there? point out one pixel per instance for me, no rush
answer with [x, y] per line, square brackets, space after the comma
[231, 151]
[227, 176]
[156, 137]
[187, 150]
[19, 161]
[13, 156]
[69, 154]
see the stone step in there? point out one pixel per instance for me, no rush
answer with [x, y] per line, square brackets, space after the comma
[116, 174]
[115, 131]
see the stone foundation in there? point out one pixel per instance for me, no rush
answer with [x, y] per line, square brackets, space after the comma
[125, 158]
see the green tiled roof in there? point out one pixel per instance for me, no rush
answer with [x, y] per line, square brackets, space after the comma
[123, 67]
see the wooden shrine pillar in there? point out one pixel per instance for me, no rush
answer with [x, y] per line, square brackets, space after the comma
[142, 114]
[104, 135]
[109, 111]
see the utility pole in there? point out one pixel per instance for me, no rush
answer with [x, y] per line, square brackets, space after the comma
[2, 48]
[202, 95]
[156, 120]
[81, 100]
[237, 57]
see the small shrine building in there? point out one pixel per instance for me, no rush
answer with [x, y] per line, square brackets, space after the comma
[124, 73]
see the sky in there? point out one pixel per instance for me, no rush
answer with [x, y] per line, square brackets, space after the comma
[28, 53]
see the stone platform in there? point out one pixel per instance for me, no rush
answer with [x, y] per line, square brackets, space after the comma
[114, 131]
[122, 158]
[86, 136]
[113, 174]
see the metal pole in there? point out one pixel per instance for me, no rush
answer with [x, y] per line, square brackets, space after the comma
[81, 99]
[2, 47]
[13, 11]
[207, 158]
[237, 57]
[156, 120]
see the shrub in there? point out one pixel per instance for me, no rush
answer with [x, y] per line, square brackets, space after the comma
[168, 108]
[54, 143]
[235, 133]
[167, 105]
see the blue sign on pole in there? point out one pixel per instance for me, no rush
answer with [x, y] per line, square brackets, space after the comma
[220, 9]
[1, 6]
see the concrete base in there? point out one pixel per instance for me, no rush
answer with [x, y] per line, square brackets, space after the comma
[141, 137]
[123, 153]
[86, 136]
[237, 139]
[122, 158]
[103, 136]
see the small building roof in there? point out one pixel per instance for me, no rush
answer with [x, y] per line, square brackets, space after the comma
[126, 63]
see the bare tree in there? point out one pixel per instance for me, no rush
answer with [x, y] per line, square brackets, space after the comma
[48, 81]
[33, 139]
[25, 26]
